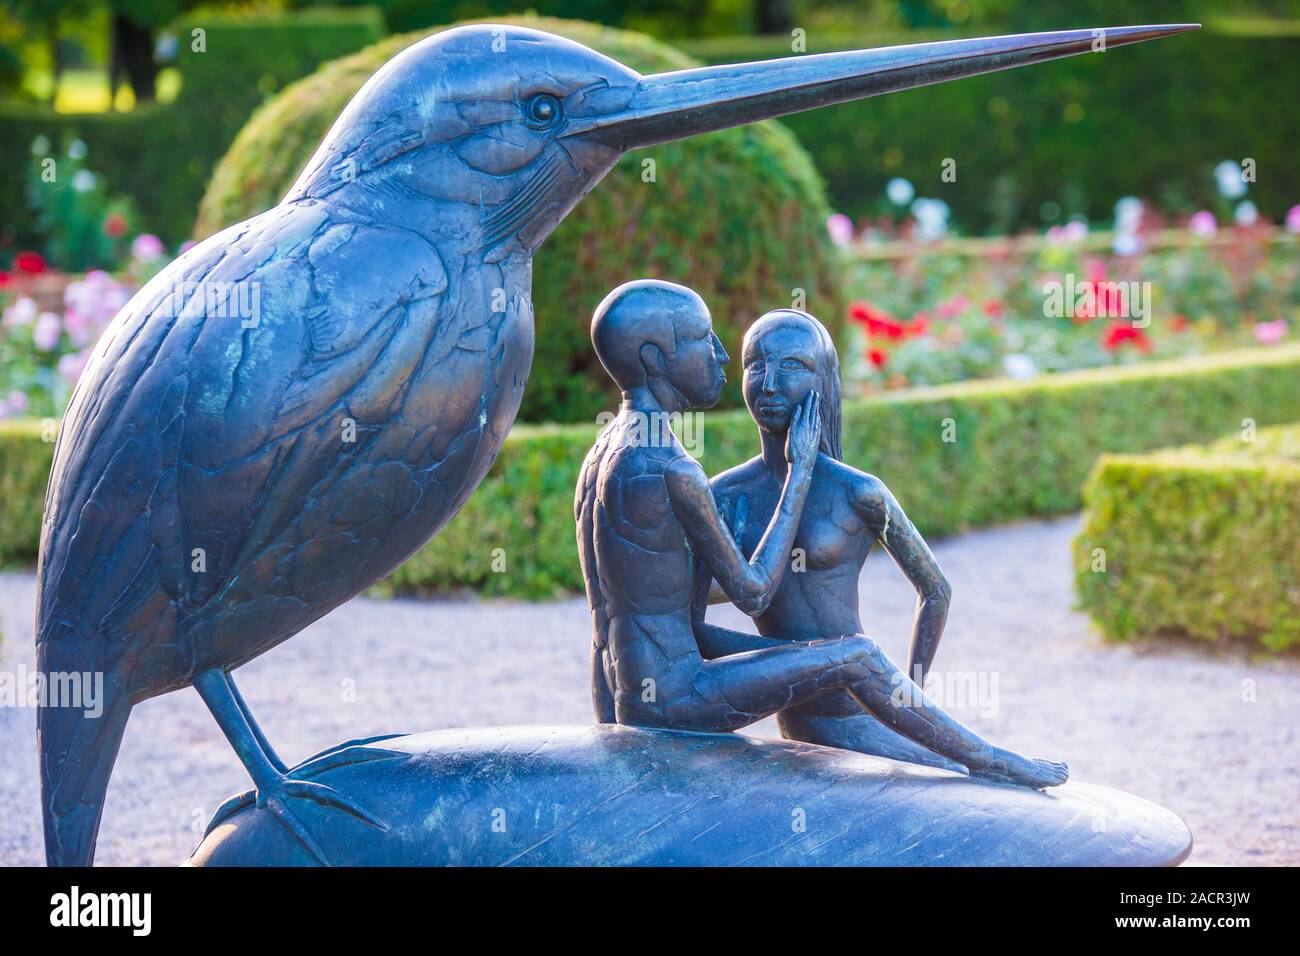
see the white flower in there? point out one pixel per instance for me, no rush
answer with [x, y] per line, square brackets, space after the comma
[931, 218]
[1245, 214]
[1128, 214]
[899, 191]
[1228, 176]
[1127, 244]
[83, 180]
[1019, 365]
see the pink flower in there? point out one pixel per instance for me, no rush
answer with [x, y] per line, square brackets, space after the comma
[46, 331]
[73, 364]
[1270, 333]
[147, 247]
[840, 228]
[16, 403]
[21, 313]
[1293, 220]
[1202, 224]
[951, 308]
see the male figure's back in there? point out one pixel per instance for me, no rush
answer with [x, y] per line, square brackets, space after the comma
[638, 567]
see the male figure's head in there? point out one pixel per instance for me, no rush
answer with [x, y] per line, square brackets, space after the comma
[658, 336]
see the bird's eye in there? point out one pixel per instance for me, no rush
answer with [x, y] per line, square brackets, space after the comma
[543, 110]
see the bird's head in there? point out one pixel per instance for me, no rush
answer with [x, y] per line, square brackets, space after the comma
[511, 127]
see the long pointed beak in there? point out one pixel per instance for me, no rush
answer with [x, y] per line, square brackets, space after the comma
[668, 106]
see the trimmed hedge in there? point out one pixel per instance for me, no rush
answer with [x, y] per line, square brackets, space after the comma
[738, 215]
[1021, 449]
[25, 460]
[162, 155]
[1198, 541]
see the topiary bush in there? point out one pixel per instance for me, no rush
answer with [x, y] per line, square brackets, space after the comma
[1198, 541]
[738, 215]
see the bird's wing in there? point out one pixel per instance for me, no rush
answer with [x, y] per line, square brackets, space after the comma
[584, 513]
[192, 434]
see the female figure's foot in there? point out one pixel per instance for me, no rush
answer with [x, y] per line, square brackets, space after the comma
[1004, 766]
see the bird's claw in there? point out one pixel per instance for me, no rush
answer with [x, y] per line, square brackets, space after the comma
[275, 800]
[329, 797]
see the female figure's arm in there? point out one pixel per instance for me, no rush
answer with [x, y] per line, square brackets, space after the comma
[899, 537]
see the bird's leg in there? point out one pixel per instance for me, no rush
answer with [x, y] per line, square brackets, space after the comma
[262, 742]
[274, 789]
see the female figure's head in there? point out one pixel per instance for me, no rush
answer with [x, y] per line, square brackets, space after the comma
[785, 355]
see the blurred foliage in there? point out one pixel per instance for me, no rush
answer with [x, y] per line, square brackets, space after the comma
[942, 316]
[1038, 144]
[1197, 541]
[160, 156]
[744, 250]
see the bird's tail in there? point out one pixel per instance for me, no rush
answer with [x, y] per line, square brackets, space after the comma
[77, 751]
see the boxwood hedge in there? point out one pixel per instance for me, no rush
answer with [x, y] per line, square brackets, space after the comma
[1019, 449]
[1198, 541]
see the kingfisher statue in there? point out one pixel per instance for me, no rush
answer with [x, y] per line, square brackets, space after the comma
[296, 405]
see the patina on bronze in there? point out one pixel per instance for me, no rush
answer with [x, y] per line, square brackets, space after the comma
[296, 405]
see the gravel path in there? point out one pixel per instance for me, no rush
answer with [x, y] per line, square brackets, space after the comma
[1168, 721]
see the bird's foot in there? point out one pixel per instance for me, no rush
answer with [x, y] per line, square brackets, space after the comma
[1003, 766]
[276, 798]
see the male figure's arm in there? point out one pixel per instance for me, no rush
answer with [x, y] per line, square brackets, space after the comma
[750, 584]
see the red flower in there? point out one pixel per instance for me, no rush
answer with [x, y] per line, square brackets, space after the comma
[877, 322]
[919, 325]
[114, 225]
[993, 309]
[1178, 322]
[1117, 333]
[29, 262]
[5, 278]
[876, 358]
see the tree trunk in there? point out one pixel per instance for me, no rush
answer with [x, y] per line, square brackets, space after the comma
[56, 57]
[773, 16]
[133, 51]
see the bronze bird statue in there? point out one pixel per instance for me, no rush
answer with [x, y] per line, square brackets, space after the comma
[296, 405]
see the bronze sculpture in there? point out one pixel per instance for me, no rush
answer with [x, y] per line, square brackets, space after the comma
[649, 531]
[223, 479]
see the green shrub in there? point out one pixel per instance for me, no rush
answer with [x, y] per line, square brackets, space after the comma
[737, 215]
[25, 459]
[1197, 541]
[161, 155]
[1021, 449]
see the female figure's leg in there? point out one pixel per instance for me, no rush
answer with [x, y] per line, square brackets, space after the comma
[835, 719]
[731, 692]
